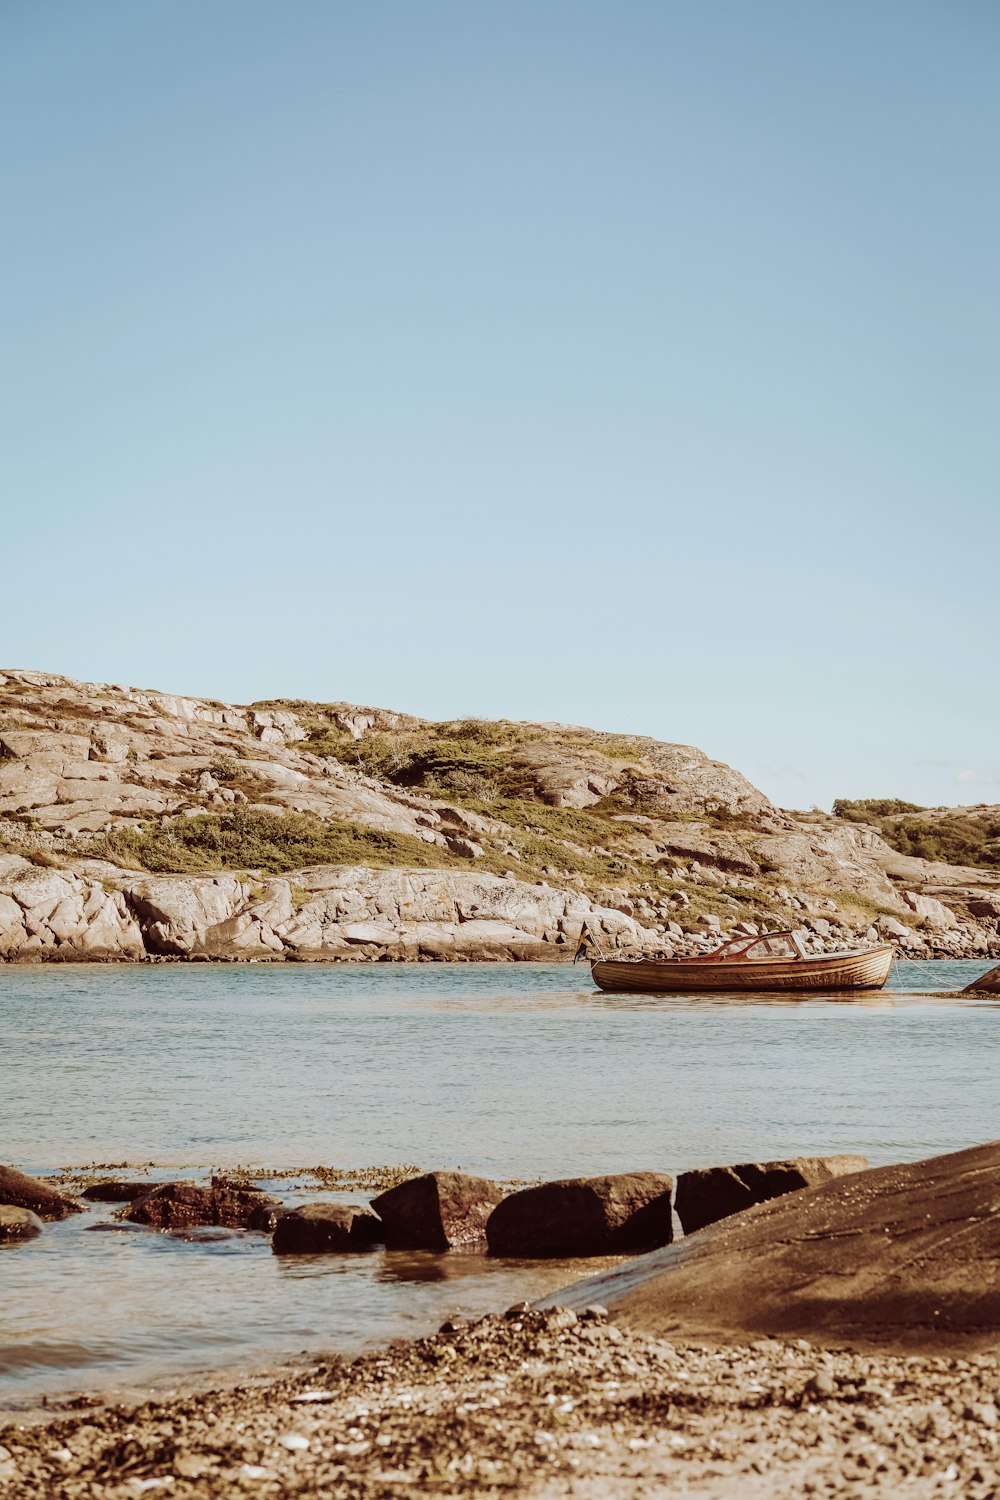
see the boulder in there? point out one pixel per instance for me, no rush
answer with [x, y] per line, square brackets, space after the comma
[564, 777]
[712, 1193]
[176, 912]
[173, 1205]
[584, 1216]
[844, 858]
[437, 1211]
[466, 848]
[318, 1228]
[117, 1192]
[934, 913]
[986, 984]
[106, 745]
[20, 1191]
[182, 1205]
[904, 1257]
[17, 1224]
[241, 1207]
[264, 1214]
[985, 906]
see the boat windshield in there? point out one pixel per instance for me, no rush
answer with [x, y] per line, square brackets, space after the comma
[766, 945]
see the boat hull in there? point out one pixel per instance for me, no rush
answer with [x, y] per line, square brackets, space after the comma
[864, 970]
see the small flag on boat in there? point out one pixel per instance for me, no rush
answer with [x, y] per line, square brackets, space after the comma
[585, 944]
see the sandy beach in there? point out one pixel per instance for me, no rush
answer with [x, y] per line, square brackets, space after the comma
[541, 1404]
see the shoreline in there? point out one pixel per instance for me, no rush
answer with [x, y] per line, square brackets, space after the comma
[538, 1404]
[561, 958]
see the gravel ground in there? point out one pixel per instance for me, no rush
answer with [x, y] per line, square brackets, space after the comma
[542, 1404]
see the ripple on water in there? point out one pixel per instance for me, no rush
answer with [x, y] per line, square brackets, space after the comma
[508, 1070]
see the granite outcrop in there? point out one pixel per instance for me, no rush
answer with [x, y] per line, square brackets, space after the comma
[99, 911]
[900, 1256]
[131, 829]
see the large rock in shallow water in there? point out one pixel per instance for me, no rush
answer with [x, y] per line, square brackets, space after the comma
[316, 1228]
[584, 1216]
[904, 1257]
[437, 1211]
[117, 1192]
[18, 1224]
[986, 984]
[182, 1205]
[712, 1193]
[21, 1191]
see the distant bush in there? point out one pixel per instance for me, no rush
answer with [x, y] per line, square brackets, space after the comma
[613, 749]
[454, 762]
[952, 836]
[956, 839]
[226, 769]
[498, 732]
[873, 807]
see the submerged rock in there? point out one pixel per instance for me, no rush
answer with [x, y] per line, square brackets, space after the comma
[182, 1205]
[117, 1192]
[584, 1216]
[18, 1224]
[986, 984]
[238, 1206]
[173, 1205]
[315, 1228]
[712, 1193]
[21, 1191]
[437, 1211]
[265, 1214]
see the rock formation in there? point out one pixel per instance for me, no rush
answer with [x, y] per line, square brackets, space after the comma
[708, 1194]
[18, 1224]
[324, 913]
[584, 1216]
[319, 1228]
[113, 1191]
[137, 824]
[183, 1205]
[437, 1211]
[18, 1190]
[907, 1256]
[986, 984]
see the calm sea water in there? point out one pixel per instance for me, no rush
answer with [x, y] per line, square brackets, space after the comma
[507, 1070]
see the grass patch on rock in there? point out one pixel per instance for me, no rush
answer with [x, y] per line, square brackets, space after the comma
[254, 839]
[855, 905]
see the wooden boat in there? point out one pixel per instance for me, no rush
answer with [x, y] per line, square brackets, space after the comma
[774, 961]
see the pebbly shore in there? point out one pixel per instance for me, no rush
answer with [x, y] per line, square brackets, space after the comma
[539, 1404]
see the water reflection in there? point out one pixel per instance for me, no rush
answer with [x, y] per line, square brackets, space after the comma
[456, 1265]
[885, 999]
[416, 1267]
[338, 1263]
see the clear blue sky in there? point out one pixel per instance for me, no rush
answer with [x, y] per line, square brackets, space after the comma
[629, 364]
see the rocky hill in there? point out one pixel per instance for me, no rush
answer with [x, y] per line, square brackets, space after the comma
[135, 823]
[954, 835]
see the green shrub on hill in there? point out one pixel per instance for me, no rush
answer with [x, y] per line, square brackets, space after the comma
[950, 835]
[463, 759]
[870, 808]
[434, 757]
[251, 839]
